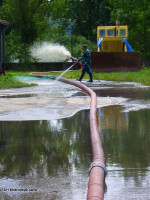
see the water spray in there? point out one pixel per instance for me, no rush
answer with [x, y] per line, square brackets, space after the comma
[48, 52]
[65, 71]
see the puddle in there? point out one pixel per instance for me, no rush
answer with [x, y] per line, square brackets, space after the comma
[45, 147]
[52, 157]
[125, 138]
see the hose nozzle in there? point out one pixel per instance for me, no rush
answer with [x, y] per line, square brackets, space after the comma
[73, 58]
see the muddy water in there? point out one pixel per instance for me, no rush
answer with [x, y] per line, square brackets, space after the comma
[50, 159]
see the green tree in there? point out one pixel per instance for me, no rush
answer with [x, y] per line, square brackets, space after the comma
[83, 17]
[136, 15]
[27, 19]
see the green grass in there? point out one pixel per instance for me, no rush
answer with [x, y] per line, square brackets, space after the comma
[11, 82]
[141, 77]
[17, 73]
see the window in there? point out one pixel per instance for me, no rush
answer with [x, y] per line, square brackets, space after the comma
[102, 33]
[122, 32]
[110, 32]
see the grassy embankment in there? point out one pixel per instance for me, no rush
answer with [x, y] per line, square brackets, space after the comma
[141, 77]
[11, 82]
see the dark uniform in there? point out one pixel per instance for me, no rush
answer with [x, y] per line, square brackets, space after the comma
[86, 61]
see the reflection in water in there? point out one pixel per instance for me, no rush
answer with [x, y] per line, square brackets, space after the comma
[126, 145]
[50, 156]
[53, 156]
[134, 93]
[3, 134]
[111, 117]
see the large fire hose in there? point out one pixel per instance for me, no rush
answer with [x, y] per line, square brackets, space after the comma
[97, 170]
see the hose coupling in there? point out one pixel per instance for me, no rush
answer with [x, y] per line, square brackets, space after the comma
[98, 164]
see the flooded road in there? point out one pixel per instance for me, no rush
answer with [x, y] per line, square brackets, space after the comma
[49, 159]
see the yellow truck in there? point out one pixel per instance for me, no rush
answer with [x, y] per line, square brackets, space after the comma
[114, 52]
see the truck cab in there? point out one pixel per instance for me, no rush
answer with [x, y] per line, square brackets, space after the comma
[109, 38]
